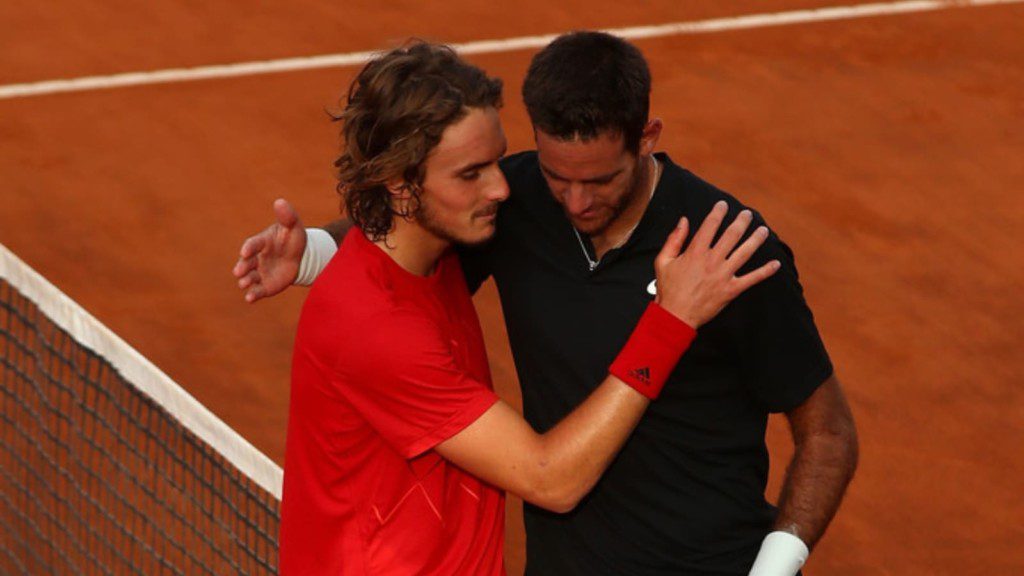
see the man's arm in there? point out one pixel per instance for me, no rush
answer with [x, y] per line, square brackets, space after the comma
[556, 469]
[273, 259]
[823, 463]
[285, 253]
[822, 467]
[338, 229]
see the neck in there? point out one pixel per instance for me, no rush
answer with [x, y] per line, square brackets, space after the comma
[622, 227]
[412, 247]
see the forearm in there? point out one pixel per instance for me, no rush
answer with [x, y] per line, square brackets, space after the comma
[338, 229]
[572, 456]
[556, 469]
[817, 477]
[822, 466]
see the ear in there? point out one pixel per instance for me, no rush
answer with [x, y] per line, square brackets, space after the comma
[649, 137]
[398, 188]
[536, 131]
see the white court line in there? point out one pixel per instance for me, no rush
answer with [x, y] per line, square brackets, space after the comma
[485, 46]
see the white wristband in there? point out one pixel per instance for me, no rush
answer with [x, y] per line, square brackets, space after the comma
[320, 248]
[782, 554]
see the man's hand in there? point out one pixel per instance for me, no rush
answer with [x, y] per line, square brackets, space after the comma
[269, 261]
[697, 284]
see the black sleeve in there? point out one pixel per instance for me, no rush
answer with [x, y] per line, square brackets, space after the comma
[476, 263]
[783, 359]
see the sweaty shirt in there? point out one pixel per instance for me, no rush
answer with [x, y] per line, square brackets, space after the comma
[386, 365]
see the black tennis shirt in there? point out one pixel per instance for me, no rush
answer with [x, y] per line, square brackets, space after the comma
[686, 493]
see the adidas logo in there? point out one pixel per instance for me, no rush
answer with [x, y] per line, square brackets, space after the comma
[641, 374]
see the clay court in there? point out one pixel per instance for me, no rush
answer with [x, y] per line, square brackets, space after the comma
[887, 151]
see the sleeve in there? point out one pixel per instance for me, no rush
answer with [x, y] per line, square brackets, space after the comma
[476, 263]
[400, 375]
[783, 359]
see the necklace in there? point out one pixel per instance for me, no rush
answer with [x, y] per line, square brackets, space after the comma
[625, 237]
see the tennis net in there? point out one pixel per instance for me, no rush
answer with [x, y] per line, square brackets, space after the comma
[106, 465]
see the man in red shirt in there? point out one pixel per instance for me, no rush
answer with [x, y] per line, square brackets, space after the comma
[398, 450]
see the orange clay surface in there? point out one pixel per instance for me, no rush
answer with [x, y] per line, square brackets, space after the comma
[887, 151]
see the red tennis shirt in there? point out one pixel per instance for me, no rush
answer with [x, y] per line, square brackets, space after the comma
[386, 366]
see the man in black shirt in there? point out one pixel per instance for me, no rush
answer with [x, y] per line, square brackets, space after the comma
[573, 262]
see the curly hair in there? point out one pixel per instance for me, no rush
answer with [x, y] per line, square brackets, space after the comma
[397, 109]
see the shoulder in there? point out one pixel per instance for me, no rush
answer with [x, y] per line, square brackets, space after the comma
[686, 194]
[525, 180]
[529, 201]
[692, 196]
[391, 341]
[351, 280]
[683, 193]
[520, 164]
[352, 290]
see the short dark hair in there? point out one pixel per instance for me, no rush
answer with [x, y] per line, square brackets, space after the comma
[397, 109]
[587, 83]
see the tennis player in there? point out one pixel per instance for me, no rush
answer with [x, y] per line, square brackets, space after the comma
[398, 450]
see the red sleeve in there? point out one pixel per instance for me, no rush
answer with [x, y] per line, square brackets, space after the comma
[402, 378]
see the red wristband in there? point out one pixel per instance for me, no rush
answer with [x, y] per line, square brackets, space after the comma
[650, 355]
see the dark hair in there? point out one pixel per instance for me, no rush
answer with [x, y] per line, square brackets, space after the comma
[397, 108]
[587, 83]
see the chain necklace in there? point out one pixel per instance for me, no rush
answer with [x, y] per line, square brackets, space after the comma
[625, 237]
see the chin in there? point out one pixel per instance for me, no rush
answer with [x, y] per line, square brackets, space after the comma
[592, 226]
[484, 237]
[475, 237]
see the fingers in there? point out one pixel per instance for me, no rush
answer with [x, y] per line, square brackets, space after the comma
[741, 283]
[702, 239]
[286, 218]
[250, 278]
[673, 244]
[244, 266]
[741, 255]
[732, 235]
[255, 293]
[285, 214]
[250, 282]
[253, 245]
[247, 268]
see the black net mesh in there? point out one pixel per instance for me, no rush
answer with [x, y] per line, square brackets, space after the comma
[96, 478]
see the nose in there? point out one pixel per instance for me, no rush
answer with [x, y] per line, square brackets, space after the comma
[498, 190]
[576, 199]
